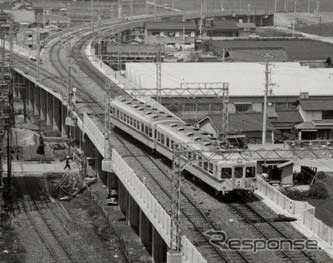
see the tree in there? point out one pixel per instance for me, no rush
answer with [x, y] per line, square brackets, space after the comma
[207, 45]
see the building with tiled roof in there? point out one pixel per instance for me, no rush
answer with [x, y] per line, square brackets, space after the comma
[248, 124]
[318, 119]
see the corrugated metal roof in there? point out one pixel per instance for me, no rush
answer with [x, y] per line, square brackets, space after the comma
[170, 25]
[316, 104]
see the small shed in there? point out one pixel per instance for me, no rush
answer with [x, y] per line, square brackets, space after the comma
[279, 173]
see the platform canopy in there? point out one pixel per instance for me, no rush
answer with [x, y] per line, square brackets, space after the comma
[245, 79]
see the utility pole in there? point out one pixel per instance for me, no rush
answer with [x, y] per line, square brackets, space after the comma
[92, 15]
[294, 23]
[38, 53]
[159, 74]
[225, 113]
[318, 7]
[201, 17]
[264, 117]
[222, 5]
[275, 6]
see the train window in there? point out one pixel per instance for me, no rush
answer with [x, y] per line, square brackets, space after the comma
[250, 172]
[158, 137]
[142, 127]
[117, 113]
[238, 172]
[171, 144]
[146, 130]
[150, 132]
[167, 141]
[190, 156]
[127, 118]
[200, 163]
[211, 168]
[162, 138]
[226, 173]
[111, 110]
[205, 165]
[130, 121]
[134, 123]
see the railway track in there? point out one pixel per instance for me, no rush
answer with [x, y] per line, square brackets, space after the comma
[190, 210]
[195, 216]
[266, 229]
[32, 202]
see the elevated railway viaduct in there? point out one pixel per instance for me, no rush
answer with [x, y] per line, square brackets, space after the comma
[143, 181]
[45, 94]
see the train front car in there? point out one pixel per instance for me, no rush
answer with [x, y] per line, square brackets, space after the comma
[237, 175]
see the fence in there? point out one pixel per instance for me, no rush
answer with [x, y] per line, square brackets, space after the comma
[302, 210]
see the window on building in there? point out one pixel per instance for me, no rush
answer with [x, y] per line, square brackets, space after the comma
[203, 107]
[216, 106]
[243, 107]
[155, 33]
[171, 34]
[328, 115]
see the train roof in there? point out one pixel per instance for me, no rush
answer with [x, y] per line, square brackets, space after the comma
[150, 113]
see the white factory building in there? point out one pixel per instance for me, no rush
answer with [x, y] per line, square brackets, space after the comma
[245, 79]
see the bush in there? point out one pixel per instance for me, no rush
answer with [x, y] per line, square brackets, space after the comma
[318, 191]
[295, 194]
[321, 175]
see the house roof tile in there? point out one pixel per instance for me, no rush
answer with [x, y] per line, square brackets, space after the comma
[316, 104]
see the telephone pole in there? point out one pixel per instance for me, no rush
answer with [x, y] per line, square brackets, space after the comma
[159, 74]
[267, 84]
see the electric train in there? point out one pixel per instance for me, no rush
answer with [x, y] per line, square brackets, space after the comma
[162, 131]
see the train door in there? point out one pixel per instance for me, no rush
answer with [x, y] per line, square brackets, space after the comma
[250, 178]
[238, 177]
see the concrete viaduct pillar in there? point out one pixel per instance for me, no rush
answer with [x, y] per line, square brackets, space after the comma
[56, 115]
[43, 104]
[35, 106]
[63, 128]
[122, 198]
[50, 110]
[159, 248]
[146, 231]
[150, 237]
[133, 217]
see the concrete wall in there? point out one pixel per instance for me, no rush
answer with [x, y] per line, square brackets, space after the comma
[301, 210]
